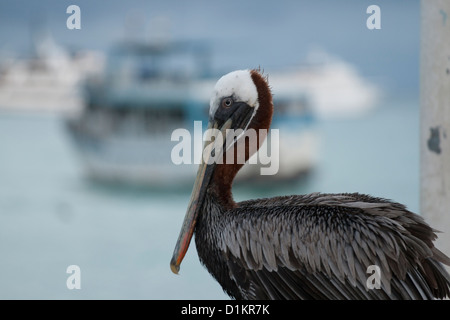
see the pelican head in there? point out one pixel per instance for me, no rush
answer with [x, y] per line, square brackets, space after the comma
[241, 101]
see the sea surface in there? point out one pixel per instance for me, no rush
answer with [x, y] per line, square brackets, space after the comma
[122, 238]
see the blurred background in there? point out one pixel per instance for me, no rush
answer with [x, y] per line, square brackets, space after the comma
[86, 117]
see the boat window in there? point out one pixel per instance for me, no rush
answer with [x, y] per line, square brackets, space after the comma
[291, 107]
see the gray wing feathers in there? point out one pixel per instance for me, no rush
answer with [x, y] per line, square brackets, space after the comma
[320, 247]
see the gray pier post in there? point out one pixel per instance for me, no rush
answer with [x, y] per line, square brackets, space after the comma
[435, 118]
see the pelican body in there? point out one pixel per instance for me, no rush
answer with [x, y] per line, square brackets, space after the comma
[316, 246]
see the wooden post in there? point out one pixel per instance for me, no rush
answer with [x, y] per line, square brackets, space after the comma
[435, 117]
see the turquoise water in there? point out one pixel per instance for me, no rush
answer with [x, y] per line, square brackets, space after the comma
[122, 238]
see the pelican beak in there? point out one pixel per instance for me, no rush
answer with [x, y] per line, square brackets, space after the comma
[204, 174]
[218, 140]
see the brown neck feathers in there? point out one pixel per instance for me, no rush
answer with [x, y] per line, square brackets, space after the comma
[225, 173]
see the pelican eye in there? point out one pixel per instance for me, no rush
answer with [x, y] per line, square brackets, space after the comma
[227, 102]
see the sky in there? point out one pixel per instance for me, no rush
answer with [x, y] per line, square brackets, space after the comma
[242, 33]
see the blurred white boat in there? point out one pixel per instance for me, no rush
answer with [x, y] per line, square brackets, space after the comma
[334, 87]
[47, 82]
[147, 91]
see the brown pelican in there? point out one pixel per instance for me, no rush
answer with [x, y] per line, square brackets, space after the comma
[316, 246]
